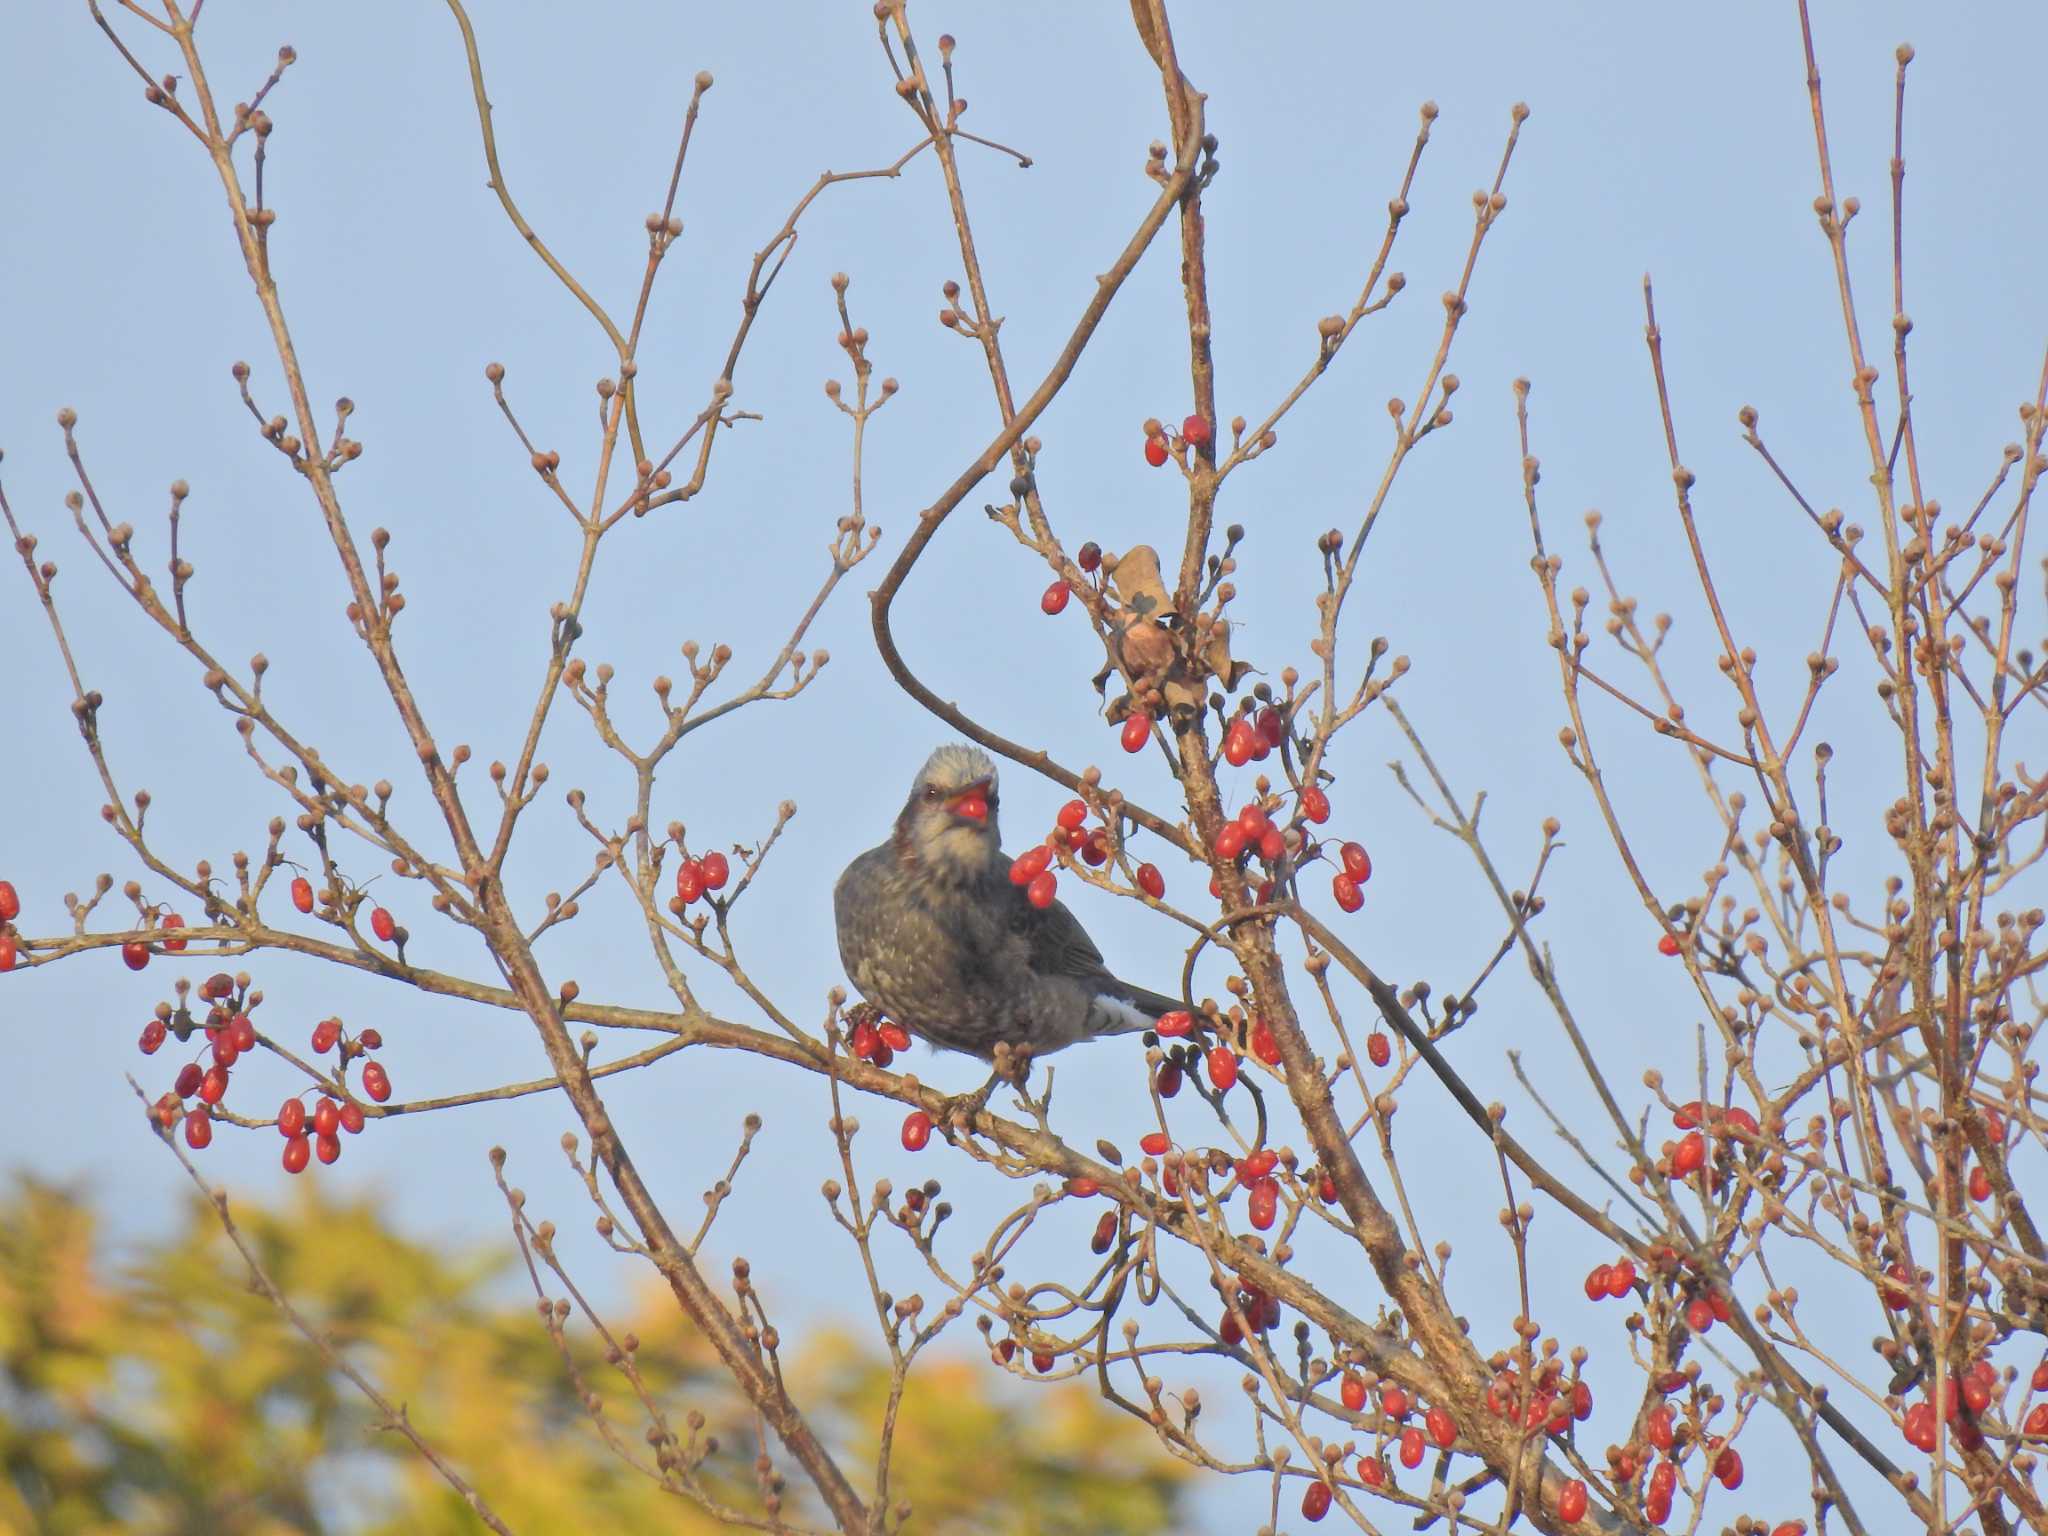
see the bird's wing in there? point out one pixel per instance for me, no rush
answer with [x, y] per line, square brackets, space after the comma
[1060, 946]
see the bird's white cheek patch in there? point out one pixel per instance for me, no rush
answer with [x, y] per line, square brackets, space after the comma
[1114, 1015]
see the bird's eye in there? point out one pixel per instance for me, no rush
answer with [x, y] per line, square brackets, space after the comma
[931, 791]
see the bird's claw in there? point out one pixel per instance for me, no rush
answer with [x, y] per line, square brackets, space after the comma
[1012, 1065]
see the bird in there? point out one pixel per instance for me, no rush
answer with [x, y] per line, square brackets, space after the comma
[936, 936]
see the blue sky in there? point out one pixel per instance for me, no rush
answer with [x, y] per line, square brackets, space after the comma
[1664, 139]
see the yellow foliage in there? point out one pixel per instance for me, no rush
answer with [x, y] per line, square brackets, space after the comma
[169, 1399]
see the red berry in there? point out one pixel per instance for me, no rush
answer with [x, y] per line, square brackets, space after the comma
[1154, 1143]
[867, 1040]
[1582, 1401]
[1668, 945]
[1095, 851]
[1272, 847]
[291, 1117]
[198, 1129]
[1699, 1315]
[917, 1130]
[327, 1148]
[135, 954]
[1919, 1426]
[1088, 556]
[1171, 1025]
[172, 920]
[1352, 1390]
[1378, 1048]
[1394, 1402]
[302, 894]
[1443, 1429]
[188, 1080]
[1264, 1203]
[2040, 1377]
[1151, 882]
[1657, 1502]
[213, 1084]
[243, 1033]
[1659, 1427]
[1055, 598]
[376, 1083]
[1357, 862]
[1196, 431]
[225, 1051]
[1026, 867]
[1072, 814]
[1082, 1187]
[1728, 1468]
[1040, 891]
[383, 924]
[1168, 1080]
[894, 1035]
[8, 951]
[1137, 731]
[152, 1037]
[1272, 726]
[1689, 1155]
[1255, 821]
[1790, 1528]
[1222, 1067]
[1105, 1233]
[297, 1152]
[1411, 1447]
[1980, 1183]
[1041, 1361]
[1315, 1501]
[1372, 1471]
[1155, 451]
[1596, 1283]
[326, 1116]
[1621, 1278]
[325, 1033]
[689, 881]
[1238, 743]
[1348, 895]
[1571, 1502]
[352, 1117]
[1264, 1046]
[1229, 842]
[370, 1040]
[10, 902]
[1976, 1393]
[717, 870]
[1315, 805]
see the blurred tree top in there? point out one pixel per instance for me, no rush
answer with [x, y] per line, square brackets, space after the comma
[168, 1397]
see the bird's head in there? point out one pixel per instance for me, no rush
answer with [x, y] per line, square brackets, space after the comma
[949, 822]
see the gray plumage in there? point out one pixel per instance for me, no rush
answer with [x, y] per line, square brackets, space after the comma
[933, 932]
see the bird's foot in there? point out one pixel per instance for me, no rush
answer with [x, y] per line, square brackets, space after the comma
[1012, 1066]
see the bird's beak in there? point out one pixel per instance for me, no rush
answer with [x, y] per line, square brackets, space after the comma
[971, 804]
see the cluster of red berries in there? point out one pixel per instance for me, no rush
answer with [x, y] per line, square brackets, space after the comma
[1964, 1401]
[1555, 1402]
[1196, 432]
[1006, 1351]
[230, 1035]
[1033, 869]
[696, 876]
[1259, 1311]
[1219, 1059]
[1054, 600]
[876, 1041]
[10, 909]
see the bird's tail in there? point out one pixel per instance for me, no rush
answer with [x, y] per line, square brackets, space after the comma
[1126, 1010]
